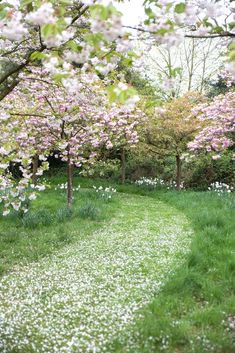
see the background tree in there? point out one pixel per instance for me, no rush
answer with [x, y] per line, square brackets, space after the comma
[170, 129]
[219, 116]
[174, 71]
[49, 118]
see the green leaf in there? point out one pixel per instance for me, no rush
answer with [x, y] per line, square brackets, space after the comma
[24, 3]
[65, 2]
[73, 46]
[103, 12]
[149, 12]
[59, 77]
[99, 11]
[37, 55]
[2, 14]
[180, 8]
[162, 31]
[231, 25]
[49, 29]
[94, 39]
[4, 5]
[218, 29]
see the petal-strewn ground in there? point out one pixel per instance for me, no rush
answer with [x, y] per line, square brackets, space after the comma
[82, 298]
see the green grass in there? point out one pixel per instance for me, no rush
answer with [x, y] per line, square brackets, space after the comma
[98, 282]
[48, 227]
[192, 310]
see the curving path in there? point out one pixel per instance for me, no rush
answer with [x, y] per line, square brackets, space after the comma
[90, 293]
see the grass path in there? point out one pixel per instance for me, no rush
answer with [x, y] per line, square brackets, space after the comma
[88, 294]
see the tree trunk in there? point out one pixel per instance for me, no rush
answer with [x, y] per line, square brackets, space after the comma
[123, 160]
[69, 183]
[178, 172]
[35, 169]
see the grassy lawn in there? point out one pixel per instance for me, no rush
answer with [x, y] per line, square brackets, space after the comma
[149, 271]
[195, 311]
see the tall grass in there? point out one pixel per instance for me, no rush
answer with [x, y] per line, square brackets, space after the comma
[193, 311]
[48, 226]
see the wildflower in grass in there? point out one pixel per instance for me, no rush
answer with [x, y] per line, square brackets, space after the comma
[153, 183]
[92, 292]
[6, 212]
[63, 186]
[105, 193]
[32, 196]
[220, 188]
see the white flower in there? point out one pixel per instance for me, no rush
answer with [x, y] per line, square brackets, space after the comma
[122, 86]
[202, 31]
[32, 196]
[51, 64]
[5, 212]
[216, 157]
[9, 30]
[16, 205]
[4, 116]
[3, 165]
[40, 187]
[43, 15]
[95, 61]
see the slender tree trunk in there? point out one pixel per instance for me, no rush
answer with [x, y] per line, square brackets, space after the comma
[191, 66]
[123, 160]
[35, 169]
[69, 183]
[178, 172]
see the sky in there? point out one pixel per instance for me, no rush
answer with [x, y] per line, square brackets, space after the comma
[133, 11]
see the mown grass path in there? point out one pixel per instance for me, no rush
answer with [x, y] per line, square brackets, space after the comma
[89, 293]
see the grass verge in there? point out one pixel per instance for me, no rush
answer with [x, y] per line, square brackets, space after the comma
[195, 311]
[49, 226]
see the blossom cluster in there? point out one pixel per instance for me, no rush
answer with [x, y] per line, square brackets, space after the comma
[64, 33]
[63, 187]
[43, 117]
[228, 76]
[105, 193]
[17, 196]
[48, 28]
[154, 183]
[219, 115]
[220, 188]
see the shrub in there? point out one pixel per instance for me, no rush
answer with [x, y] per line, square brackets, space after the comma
[63, 214]
[89, 210]
[35, 219]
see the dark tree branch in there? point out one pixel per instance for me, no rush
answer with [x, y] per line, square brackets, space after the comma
[50, 105]
[80, 13]
[211, 36]
[18, 68]
[26, 114]
[14, 49]
[8, 88]
[216, 35]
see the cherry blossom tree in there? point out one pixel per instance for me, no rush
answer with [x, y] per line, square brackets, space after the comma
[49, 118]
[62, 35]
[171, 127]
[17, 147]
[220, 118]
[90, 33]
[74, 41]
[123, 133]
